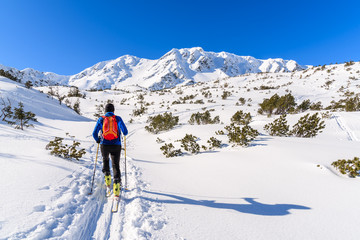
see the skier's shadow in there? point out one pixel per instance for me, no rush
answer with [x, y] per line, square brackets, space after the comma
[252, 206]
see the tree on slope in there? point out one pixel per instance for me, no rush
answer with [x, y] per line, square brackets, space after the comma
[6, 111]
[308, 126]
[23, 118]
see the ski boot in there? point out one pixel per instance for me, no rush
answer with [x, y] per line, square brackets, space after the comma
[116, 190]
[116, 198]
[108, 183]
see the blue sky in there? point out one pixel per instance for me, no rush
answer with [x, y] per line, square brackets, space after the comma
[66, 37]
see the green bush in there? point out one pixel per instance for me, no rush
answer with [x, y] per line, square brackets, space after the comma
[28, 84]
[351, 167]
[225, 95]
[8, 75]
[189, 144]
[159, 140]
[203, 118]
[352, 104]
[316, 106]
[241, 118]
[278, 105]
[76, 107]
[308, 126]
[347, 64]
[349, 104]
[214, 143]
[138, 112]
[199, 101]
[220, 132]
[188, 97]
[183, 100]
[6, 111]
[242, 101]
[207, 94]
[279, 127]
[161, 122]
[241, 136]
[22, 118]
[75, 92]
[58, 149]
[168, 150]
[305, 105]
[100, 109]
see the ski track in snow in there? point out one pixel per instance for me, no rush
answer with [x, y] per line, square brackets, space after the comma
[76, 215]
[351, 135]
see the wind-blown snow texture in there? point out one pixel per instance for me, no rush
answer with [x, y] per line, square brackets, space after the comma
[277, 188]
[182, 66]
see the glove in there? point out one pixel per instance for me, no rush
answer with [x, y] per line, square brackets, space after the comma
[98, 141]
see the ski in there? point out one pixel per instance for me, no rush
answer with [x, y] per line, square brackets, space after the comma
[108, 192]
[115, 204]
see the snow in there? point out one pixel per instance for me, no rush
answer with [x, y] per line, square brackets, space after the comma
[174, 68]
[277, 188]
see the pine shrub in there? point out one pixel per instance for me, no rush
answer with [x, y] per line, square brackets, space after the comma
[138, 112]
[316, 106]
[169, 151]
[189, 144]
[22, 118]
[203, 118]
[347, 64]
[305, 105]
[351, 167]
[278, 105]
[100, 109]
[352, 104]
[75, 92]
[241, 136]
[28, 84]
[225, 95]
[207, 94]
[308, 126]
[279, 127]
[9, 75]
[220, 132]
[76, 107]
[161, 122]
[59, 149]
[242, 101]
[241, 118]
[6, 111]
[214, 143]
[159, 140]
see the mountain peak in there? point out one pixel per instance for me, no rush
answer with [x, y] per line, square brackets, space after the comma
[178, 66]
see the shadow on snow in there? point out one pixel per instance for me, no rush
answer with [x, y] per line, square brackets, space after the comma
[252, 206]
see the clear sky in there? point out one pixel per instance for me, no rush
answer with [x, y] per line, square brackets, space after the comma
[67, 36]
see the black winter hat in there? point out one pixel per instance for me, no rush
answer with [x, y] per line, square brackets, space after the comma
[109, 108]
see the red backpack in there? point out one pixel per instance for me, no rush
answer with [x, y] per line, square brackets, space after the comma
[110, 128]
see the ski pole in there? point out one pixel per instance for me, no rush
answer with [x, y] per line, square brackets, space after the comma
[125, 163]
[92, 185]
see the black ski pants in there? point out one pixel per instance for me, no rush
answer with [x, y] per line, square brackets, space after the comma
[113, 151]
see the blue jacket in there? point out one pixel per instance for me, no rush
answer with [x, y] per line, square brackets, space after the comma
[99, 125]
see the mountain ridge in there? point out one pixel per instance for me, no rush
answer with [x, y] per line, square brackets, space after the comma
[178, 66]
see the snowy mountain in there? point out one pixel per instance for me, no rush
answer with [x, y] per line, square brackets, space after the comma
[36, 77]
[179, 66]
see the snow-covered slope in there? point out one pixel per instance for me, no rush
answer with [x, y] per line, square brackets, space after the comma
[277, 188]
[39, 103]
[179, 66]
